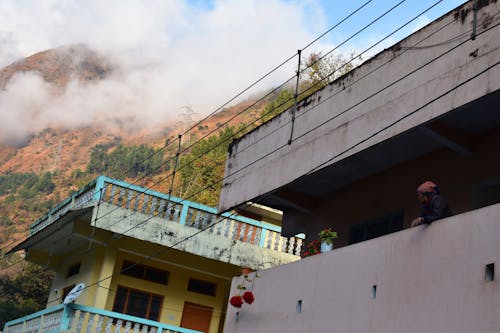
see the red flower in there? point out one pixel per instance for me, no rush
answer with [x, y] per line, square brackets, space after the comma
[236, 301]
[248, 297]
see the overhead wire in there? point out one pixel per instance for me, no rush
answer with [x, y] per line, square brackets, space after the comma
[312, 42]
[370, 136]
[193, 235]
[335, 70]
[261, 99]
[350, 108]
[167, 144]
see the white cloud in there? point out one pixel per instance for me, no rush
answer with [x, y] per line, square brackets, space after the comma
[170, 52]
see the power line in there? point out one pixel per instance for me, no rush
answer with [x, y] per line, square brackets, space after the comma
[331, 158]
[343, 20]
[210, 226]
[251, 124]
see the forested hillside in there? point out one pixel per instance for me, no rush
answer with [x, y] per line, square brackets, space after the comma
[48, 166]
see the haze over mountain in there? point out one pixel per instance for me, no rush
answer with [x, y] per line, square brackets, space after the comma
[57, 104]
[57, 107]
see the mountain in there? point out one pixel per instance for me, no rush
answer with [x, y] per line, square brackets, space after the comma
[58, 66]
[53, 162]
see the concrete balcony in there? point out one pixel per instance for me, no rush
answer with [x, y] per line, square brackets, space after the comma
[435, 278]
[131, 211]
[78, 318]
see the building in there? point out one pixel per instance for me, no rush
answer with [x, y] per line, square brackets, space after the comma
[147, 261]
[427, 108]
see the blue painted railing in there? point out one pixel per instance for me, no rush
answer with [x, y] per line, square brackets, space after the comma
[173, 209]
[79, 318]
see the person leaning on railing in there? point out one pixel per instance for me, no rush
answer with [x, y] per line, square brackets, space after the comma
[434, 206]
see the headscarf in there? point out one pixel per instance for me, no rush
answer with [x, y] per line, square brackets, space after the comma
[427, 187]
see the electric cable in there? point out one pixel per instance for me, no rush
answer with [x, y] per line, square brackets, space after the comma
[354, 145]
[336, 69]
[163, 250]
[227, 121]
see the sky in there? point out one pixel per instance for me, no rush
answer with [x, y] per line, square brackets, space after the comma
[174, 54]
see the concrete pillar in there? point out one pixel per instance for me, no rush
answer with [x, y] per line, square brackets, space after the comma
[105, 276]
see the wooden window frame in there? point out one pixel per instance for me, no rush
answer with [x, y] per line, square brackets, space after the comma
[125, 305]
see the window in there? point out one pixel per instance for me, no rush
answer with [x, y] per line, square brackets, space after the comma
[377, 227]
[73, 269]
[138, 303]
[144, 272]
[202, 287]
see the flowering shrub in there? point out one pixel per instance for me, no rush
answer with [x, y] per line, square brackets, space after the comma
[312, 248]
[236, 301]
[248, 297]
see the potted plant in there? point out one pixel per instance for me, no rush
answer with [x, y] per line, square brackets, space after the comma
[326, 236]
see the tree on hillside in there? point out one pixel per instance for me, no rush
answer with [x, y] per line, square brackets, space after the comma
[316, 72]
[283, 101]
[125, 161]
[319, 70]
[202, 169]
[24, 294]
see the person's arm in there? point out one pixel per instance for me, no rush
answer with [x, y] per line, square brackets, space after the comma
[438, 209]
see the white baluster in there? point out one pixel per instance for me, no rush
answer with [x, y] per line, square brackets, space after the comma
[109, 325]
[137, 197]
[231, 229]
[118, 326]
[128, 325]
[130, 196]
[145, 203]
[219, 227]
[153, 206]
[161, 208]
[98, 327]
[242, 234]
[137, 327]
[90, 323]
[144, 329]
[297, 247]
[121, 198]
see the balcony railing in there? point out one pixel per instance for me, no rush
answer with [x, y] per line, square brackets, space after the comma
[172, 209]
[79, 318]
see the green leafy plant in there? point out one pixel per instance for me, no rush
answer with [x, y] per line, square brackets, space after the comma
[327, 235]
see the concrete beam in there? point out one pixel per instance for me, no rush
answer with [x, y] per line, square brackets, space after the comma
[450, 137]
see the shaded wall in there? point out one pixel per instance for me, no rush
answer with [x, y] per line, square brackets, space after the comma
[458, 176]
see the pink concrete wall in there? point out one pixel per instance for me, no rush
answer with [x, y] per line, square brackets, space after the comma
[428, 278]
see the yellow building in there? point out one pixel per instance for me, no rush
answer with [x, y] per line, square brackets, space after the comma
[146, 261]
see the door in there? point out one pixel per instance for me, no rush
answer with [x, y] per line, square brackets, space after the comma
[196, 317]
